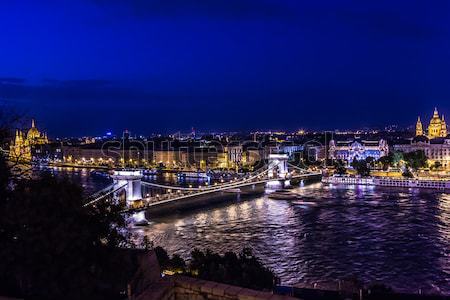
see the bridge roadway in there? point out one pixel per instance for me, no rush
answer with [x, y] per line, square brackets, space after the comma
[186, 193]
[185, 197]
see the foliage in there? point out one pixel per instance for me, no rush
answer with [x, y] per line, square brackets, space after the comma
[163, 258]
[370, 161]
[385, 162]
[178, 264]
[361, 167]
[396, 157]
[416, 159]
[53, 247]
[242, 269]
[339, 166]
[393, 159]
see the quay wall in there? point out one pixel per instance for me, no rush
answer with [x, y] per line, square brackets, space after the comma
[186, 288]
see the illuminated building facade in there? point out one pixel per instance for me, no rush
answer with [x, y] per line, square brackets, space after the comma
[21, 148]
[436, 149]
[357, 150]
[436, 129]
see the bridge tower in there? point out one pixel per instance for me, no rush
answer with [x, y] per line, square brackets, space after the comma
[278, 165]
[132, 182]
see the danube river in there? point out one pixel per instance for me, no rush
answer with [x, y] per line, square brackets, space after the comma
[398, 237]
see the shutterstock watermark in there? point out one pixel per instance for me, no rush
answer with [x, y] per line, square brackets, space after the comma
[212, 154]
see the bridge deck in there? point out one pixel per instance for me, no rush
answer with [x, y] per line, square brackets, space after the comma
[150, 202]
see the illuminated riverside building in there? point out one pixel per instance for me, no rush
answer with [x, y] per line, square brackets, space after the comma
[357, 150]
[170, 154]
[436, 129]
[22, 146]
[436, 149]
[435, 142]
[86, 155]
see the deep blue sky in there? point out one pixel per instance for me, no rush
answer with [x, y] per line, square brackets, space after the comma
[82, 67]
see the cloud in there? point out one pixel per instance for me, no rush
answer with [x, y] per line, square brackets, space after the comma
[11, 80]
[214, 8]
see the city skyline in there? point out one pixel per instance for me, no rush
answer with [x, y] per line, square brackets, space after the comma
[24, 124]
[224, 65]
[225, 149]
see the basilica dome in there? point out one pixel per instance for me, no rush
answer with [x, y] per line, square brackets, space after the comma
[437, 127]
[435, 120]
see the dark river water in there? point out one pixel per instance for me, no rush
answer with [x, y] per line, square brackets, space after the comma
[399, 237]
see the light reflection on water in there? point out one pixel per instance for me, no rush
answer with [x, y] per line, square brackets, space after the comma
[398, 237]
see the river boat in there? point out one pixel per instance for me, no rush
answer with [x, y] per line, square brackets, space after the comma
[424, 183]
[189, 174]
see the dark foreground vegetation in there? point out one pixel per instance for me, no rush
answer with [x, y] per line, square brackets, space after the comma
[242, 269]
[52, 247]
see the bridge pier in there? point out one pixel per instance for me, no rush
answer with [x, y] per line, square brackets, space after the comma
[132, 182]
[278, 167]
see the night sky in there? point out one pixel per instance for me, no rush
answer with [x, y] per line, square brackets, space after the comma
[84, 67]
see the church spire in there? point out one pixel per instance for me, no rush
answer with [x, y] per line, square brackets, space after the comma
[33, 125]
[419, 127]
[443, 127]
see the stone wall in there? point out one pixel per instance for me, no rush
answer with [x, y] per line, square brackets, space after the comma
[186, 288]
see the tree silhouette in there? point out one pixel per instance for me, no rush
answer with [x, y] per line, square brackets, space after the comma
[53, 247]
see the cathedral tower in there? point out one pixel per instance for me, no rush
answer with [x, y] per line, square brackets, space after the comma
[419, 127]
[443, 127]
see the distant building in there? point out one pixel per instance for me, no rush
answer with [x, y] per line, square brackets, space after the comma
[21, 147]
[436, 129]
[357, 150]
[235, 153]
[436, 149]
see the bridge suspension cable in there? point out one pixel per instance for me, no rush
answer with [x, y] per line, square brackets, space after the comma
[297, 167]
[105, 195]
[256, 175]
[99, 193]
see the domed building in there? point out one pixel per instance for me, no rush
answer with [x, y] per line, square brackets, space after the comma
[21, 147]
[35, 137]
[435, 144]
[436, 129]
